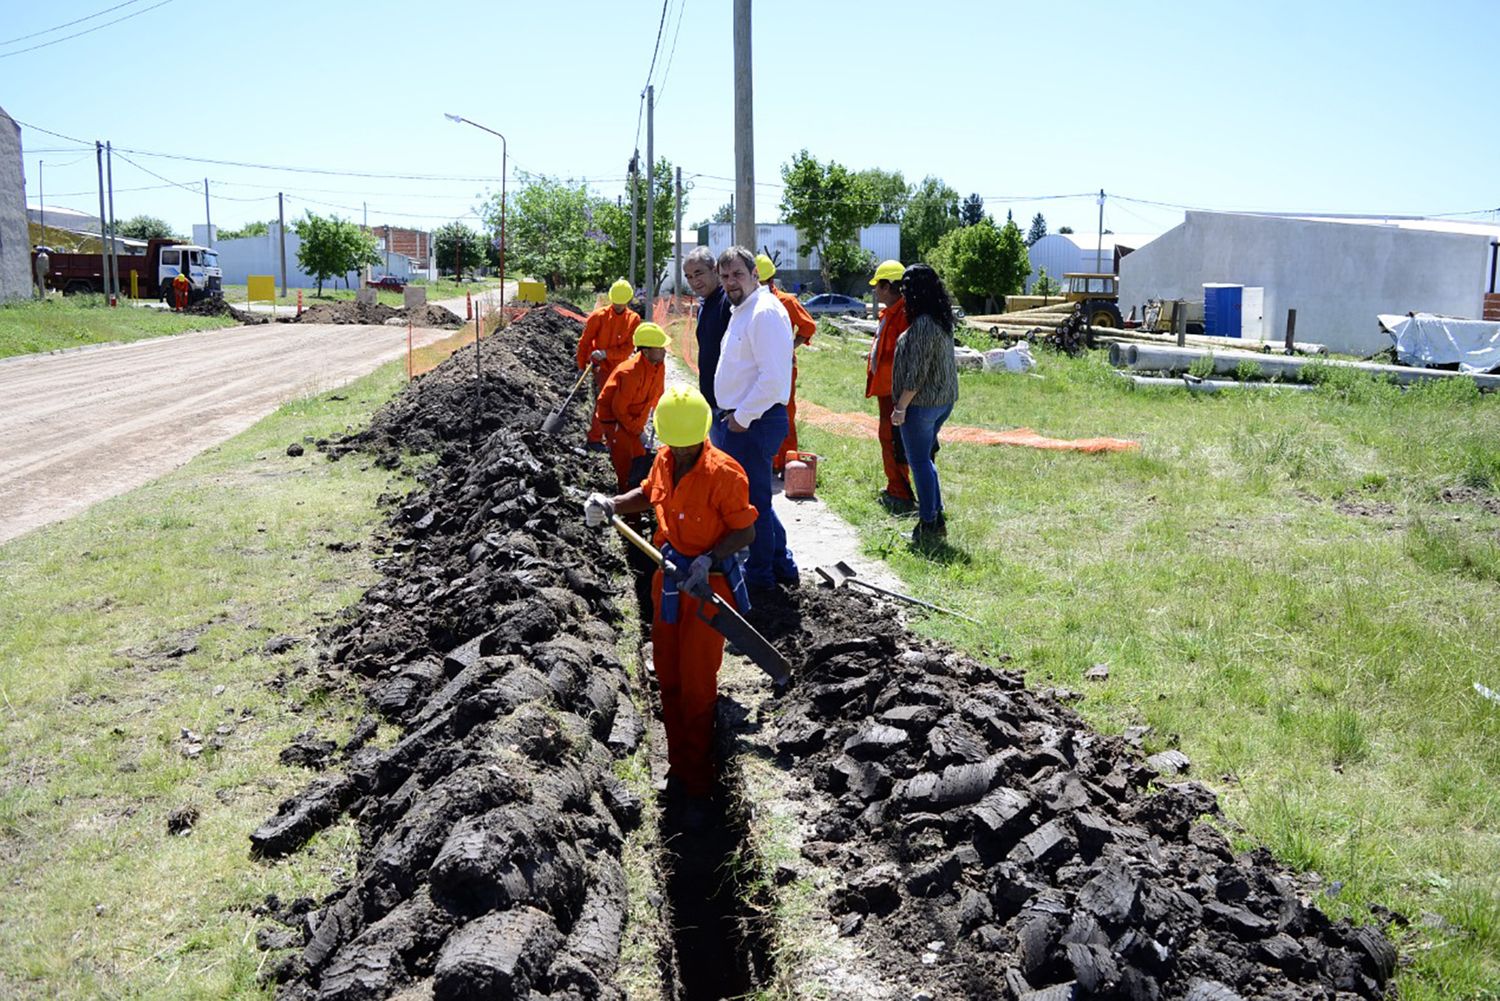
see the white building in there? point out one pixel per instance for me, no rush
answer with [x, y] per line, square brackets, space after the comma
[15, 238]
[1081, 253]
[1338, 273]
[780, 241]
[261, 255]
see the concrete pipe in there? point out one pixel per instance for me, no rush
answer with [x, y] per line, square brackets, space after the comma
[1211, 385]
[1161, 358]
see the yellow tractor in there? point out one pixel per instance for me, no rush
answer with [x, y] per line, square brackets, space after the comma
[1099, 295]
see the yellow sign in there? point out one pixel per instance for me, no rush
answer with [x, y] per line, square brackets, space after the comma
[531, 292]
[262, 288]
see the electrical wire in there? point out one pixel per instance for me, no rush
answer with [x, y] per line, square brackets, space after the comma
[87, 31]
[69, 24]
[657, 47]
[662, 87]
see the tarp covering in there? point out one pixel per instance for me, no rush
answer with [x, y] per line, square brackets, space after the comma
[1428, 340]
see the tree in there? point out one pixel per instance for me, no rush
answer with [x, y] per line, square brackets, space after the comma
[982, 262]
[889, 192]
[144, 227]
[550, 230]
[459, 247]
[848, 266]
[1044, 286]
[249, 229]
[931, 212]
[1065, 229]
[1037, 231]
[828, 203]
[612, 226]
[972, 210]
[333, 247]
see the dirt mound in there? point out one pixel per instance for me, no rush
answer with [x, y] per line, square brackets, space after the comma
[344, 312]
[219, 307]
[988, 827]
[431, 315]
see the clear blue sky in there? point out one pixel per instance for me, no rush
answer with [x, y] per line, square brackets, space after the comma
[1317, 105]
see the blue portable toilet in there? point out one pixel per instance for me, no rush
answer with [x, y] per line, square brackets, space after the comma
[1221, 309]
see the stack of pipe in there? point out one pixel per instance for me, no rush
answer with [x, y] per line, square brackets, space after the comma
[1173, 360]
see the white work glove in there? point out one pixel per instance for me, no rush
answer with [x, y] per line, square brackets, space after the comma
[597, 510]
[696, 580]
[597, 356]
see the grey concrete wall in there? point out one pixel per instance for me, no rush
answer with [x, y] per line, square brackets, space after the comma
[15, 238]
[1338, 276]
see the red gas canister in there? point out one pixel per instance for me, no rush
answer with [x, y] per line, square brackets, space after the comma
[800, 474]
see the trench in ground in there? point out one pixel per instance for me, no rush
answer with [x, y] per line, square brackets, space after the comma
[721, 932]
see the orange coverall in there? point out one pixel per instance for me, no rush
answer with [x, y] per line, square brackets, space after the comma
[624, 406]
[803, 328]
[181, 286]
[611, 333]
[878, 384]
[711, 500]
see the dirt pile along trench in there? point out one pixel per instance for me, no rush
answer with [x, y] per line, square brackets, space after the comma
[491, 829]
[376, 314]
[215, 306]
[991, 845]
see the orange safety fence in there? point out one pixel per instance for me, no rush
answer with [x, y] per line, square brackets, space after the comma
[867, 426]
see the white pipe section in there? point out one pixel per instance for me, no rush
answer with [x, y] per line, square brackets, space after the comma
[1212, 385]
[1161, 358]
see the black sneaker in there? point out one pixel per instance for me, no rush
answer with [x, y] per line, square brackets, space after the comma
[929, 533]
[896, 505]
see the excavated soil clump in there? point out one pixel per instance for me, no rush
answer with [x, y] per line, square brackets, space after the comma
[376, 314]
[993, 846]
[491, 830]
[215, 306]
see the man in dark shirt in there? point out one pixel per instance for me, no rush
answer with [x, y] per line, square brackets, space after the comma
[701, 270]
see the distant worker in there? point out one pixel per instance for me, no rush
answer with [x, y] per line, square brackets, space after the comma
[43, 264]
[606, 342]
[704, 518]
[924, 381]
[628, 397]
[702, 274]
[752, 383]
[182, 287]
[897, 497]
[803, 328]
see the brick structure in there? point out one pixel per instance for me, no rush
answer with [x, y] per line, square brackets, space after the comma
[414, 243]
[1492, 306]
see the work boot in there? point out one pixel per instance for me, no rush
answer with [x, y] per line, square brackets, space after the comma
[929, 533]
[896, 505]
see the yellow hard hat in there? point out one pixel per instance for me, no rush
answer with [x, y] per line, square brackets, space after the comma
[682, 417]
[888, 271]
[650, 335]
[620, 292]
[765, 267]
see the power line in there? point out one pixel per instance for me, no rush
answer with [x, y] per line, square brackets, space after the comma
[657, 48]
[69, 24]
[682, 6]
[86, 31]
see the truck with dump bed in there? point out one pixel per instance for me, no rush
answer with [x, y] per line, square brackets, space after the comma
[163, 260]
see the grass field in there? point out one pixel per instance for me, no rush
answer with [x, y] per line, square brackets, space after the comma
[29, 326]
[444, 289]
[130, 634]
[1298, 590]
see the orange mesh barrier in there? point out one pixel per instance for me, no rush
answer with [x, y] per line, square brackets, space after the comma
[866, 426]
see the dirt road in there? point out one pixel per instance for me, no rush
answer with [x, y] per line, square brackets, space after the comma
[81, 426]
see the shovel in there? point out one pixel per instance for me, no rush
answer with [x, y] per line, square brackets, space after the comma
[841, 573]
[558, 419]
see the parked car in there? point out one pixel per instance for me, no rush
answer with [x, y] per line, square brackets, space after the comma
[388, 282]
[831, 303]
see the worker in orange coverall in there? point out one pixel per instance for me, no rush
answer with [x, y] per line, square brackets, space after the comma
[182, 287]
[897, 497]
[628, 396]
[704, 518]
[606, 342]
[803, 328]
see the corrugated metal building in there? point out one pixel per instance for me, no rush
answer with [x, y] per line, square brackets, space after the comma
[1065, 253]
[15, 238]
[1338, 272]
[780, 241]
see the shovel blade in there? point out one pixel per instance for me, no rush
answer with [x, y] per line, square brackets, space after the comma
[555, 422]
[833, 575]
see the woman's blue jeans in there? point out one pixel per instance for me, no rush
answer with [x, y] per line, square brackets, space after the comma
[919, 436]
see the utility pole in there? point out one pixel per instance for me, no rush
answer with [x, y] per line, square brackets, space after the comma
[650, 200]
[208, 219]
[744, 130]
[281, 233]
[634, 201]
[1099, 250]
[103, 243]
[114, 253]
[677, 238]
[41, 195]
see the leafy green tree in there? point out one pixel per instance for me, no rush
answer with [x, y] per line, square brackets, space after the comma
[982, 262]
[1037, 231]
[332, 247]
[1065, 229]
[849, 267]
[972, 211]
[931, 212]
[888, 190]
[612, 223]
[249, 229]
[549, 230]
[1044, 285]
[144, 227]
[459, 247]
[828, 203]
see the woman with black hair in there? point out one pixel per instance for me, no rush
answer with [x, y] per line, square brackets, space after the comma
[924, 382]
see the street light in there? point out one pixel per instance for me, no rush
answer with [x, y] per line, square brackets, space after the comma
[504, 161]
